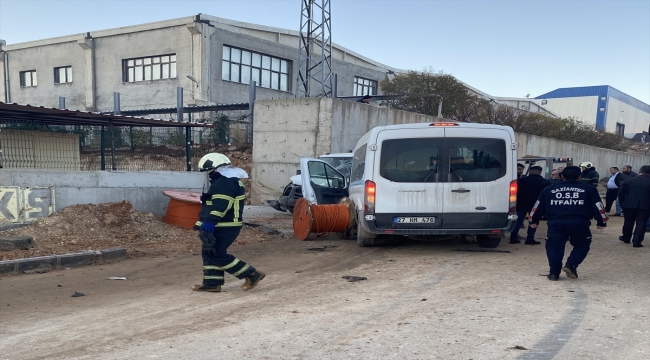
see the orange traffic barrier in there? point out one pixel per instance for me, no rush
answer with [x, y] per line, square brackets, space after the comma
[310, 219]
[183, 208]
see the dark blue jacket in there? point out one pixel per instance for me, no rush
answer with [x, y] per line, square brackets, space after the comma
[529, 189]
[569, 200]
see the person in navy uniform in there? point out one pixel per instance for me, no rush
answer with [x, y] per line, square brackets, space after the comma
[569, 206]
[529, 189]
[219, 224]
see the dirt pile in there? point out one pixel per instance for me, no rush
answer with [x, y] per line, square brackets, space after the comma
[96, 227]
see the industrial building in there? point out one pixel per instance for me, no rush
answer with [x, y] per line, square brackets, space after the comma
[607, 108]
[213, 59]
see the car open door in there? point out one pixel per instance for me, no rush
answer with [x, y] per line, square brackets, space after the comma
[321, 183]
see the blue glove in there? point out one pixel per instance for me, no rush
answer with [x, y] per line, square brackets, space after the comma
[208, 227]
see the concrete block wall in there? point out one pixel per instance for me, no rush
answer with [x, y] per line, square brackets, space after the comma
[602, 159]
[284, 131]
[143, 188]
[288, 129]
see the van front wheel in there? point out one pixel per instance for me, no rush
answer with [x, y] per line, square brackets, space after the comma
[488, 241]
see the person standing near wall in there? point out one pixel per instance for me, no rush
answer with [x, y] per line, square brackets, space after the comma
[635, 201]
[220, 222]
[529, 189]
[569, 206]
[612, 190]
[626, 173]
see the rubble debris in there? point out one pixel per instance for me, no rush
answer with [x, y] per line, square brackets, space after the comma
[354, 278]
[78, 294]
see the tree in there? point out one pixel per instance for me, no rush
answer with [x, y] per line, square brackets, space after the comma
[421, 92]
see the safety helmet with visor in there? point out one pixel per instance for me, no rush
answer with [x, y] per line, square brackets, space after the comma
[212, 161]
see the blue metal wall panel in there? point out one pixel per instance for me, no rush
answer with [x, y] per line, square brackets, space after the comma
[603, 91]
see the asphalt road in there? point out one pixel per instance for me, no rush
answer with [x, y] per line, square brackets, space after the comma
[421, 300]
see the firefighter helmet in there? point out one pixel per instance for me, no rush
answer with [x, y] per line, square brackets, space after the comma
[211, 161]
[586, 164]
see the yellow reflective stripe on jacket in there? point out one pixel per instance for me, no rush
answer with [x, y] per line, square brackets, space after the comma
[237, 215]
[211, 267]
[242, 270]
[210, 277]
[230, 224]
[198, 223]
[222, 196]
[208, 202]
[226, 267]
[217, 213]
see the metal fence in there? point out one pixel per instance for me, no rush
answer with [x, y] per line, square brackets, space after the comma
[36, 145]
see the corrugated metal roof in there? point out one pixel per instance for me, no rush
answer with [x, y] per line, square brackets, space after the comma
[16, 112]
[186, 109]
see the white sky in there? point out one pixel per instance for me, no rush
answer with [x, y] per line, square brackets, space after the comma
[501, 47]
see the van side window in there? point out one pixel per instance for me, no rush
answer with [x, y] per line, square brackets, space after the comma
[358, 163]
[411, 160]
[476, 159]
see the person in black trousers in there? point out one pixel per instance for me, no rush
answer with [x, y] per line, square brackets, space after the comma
[612, 189]
[529, 188]
[634, 195]
[569, 206]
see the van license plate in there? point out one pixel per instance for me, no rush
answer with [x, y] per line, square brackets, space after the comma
[414, 220]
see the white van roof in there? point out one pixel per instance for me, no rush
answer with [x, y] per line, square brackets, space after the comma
[373, 132]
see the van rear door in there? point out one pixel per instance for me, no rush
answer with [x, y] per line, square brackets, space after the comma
[408, 179]
[480, 168]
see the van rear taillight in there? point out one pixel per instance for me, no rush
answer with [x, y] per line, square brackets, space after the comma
[369, 198]
[513, 196]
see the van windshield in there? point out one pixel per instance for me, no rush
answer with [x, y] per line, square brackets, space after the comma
[443, 160]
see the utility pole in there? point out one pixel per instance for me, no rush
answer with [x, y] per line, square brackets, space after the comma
[315, 49]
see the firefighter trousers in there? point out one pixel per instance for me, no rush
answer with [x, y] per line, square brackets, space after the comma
[216, 259]
[577, 232]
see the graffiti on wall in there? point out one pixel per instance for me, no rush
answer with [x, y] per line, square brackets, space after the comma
[25, 204]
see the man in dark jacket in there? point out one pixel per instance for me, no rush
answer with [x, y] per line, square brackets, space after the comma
[529, 189]
[589, 175]
[626, 172]
[569, 206]
[634, 195]
[220, 221]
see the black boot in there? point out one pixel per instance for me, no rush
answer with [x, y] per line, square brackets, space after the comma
[252, 280]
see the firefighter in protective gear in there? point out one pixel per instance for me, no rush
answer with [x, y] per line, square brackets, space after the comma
[220, 222]
[589, 175]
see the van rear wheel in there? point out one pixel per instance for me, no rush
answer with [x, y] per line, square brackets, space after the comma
[488, 241]
[364, 238]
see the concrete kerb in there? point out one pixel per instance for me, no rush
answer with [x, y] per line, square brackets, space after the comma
[48, 263]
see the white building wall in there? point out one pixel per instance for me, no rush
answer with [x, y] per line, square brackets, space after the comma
[635, 120]
[584, 109]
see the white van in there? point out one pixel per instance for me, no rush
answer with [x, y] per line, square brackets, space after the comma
[442, 178]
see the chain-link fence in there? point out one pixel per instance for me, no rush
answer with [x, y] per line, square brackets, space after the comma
[32, 144]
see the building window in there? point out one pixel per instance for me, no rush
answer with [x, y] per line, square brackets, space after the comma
[544, 102]
[28, 78]
[63, 74]
[150, 68]
[242, 66]
[364, 86]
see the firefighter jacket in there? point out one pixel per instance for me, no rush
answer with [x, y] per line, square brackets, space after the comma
[223, 204]
[590, 177]
[569, 200]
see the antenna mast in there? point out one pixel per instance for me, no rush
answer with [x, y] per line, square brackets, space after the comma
[315, 49]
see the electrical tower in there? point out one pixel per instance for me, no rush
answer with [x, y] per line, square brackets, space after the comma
[315, 58]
